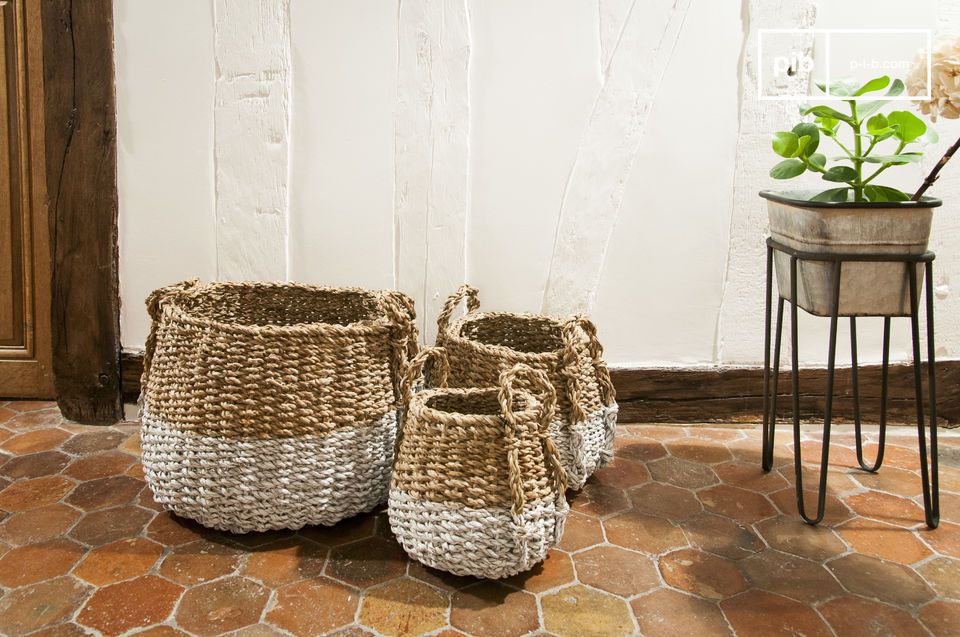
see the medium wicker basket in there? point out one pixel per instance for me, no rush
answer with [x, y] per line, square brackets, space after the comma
[272, 406]
[478, 486]
[481, 345]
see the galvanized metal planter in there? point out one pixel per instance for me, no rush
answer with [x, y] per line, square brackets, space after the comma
[867, 288]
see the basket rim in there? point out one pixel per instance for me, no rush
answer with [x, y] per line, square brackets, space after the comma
[453, 333]
[419, 407]
[364, 326]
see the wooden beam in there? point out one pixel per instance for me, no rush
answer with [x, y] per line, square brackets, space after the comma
[81, 164]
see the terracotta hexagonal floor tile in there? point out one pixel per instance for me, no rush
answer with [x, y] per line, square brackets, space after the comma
[835, 511]
[367, 562]
[945, 539]
[617, 570]
[263, 630]
[162, 631]
[885, 581]
[580, 532]
[858, 616]
[790, 576]
[25, 406]
[791, 535]
[45, 463]
[702, 451]
[99, 465]
[578, 611]
[942, 618]
[891, 480]
[36, 562]
[622, 474]
[490, 609]
[738, 504]
[885, 507]
[943, 573]
[749, 476]
[171, 530]
[656, 432]
[222, 605]
[665, 501]
[762, 614]
[257, 539]
[140, 602]
[35, 420]
[39, 605]
[900, 456]
[638, 449]
[667, 613]
[682, 473]
[702, 574]
[313, 606]
[599, 500]
[286, 561]
[38, 525]
[721, 536]
[24, 495]
[641, 532]
[343, 532]
[556, 570]
[108, 525]
[34, 441]
[94, 441]
[73, 630]
[104, 493]
[439, 579]
[404, 608]
[118, 561]
[200, 561]
[135, 470]
[894, 543]
[356, 631]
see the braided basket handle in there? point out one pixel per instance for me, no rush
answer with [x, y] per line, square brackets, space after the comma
[400, 312]
[548, 402]
[156, 302]
[571, 366]
[463, 292]
[414, 371]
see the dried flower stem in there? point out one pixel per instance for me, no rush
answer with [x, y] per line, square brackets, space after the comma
[935, 173]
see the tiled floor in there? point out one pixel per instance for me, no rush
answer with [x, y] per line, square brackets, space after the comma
[683, 535]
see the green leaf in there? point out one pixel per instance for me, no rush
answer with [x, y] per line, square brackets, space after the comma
[818, 159]
[826, 111]
[884, 193]
[909, 126]
[801, 146]
[865, 109]
[806, 129]
[785, 144]
[788, 169]
[876, 124]
[894, 160]
[834, 194]
[875, 84]
[841, 173]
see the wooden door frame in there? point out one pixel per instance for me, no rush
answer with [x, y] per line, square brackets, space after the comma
[79, 101]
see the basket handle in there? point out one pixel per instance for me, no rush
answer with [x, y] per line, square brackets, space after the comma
[571, 367]
[414, 371]
[509, 381]
[400, 312]
[156, 302]
[473, 304]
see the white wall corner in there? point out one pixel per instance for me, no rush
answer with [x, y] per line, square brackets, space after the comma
[432, 153]
[252, 124]
[740, 318]
[608, 148]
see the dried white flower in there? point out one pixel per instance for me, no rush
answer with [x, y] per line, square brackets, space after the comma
[944, 81]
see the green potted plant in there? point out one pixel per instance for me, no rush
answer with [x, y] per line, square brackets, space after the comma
[858, 214]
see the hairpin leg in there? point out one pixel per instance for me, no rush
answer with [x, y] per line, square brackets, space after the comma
[828, 408]
[767, 445]
[931, 496]
[884, 377]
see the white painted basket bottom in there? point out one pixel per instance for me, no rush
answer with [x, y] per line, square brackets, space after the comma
[242, 485]
[487, 542]
[586, 446]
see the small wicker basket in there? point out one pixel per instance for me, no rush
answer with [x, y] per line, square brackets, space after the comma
[481, 345]
[271, 406]
[478, 486]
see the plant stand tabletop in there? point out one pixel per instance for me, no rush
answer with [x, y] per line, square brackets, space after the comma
[928, 469]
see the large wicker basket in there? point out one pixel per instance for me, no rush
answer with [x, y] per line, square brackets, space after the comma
[478, 487]
[271, 406]
[481, 345]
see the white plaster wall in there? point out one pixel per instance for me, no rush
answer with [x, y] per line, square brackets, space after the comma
[385, 112]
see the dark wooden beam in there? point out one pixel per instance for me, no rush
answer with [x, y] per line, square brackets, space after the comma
[81, 165]
[731, 394]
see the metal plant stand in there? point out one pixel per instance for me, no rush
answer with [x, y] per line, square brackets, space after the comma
[928, 471]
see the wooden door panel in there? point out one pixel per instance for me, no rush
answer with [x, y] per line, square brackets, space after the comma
[25, 350]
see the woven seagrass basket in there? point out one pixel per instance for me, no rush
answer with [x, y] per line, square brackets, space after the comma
[272, 406]
[481, 345]
[478, 487]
